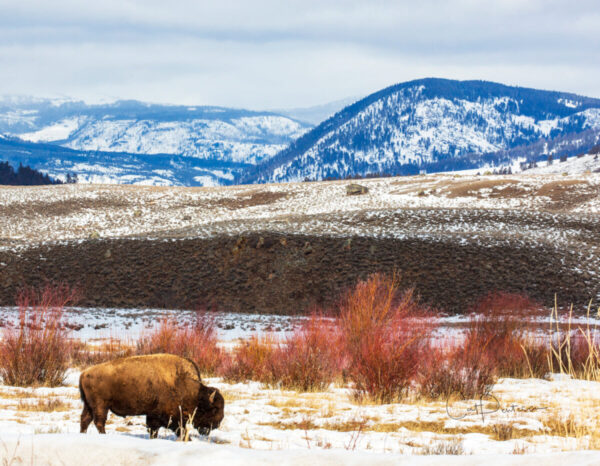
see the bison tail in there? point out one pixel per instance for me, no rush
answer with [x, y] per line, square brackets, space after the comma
[82, 393]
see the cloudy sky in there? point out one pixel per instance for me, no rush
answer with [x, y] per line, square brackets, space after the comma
[289, 53]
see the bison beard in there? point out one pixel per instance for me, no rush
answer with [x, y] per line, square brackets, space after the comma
[167, 389]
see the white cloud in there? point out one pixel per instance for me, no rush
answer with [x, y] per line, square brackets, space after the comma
[270, 53]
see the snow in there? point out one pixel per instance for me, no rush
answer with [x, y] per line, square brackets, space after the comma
[404, 128]
[55, 132]
[569, 103]
[573, 165]
[25, 118]
[247, 139]
[312, 208]
[254, 429]
[206, 180]
[94, 325]
[73, 449]
[100, 324]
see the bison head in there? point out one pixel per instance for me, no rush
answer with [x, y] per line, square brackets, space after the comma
[210, 411]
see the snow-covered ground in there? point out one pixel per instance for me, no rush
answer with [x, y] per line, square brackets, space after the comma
[583, 164]
[72, 212]
[72, 449]
[102, 324]
[574, 165]
[99, 324]
[521, 424]
[266, 426]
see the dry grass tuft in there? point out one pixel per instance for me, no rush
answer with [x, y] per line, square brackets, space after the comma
[503, 431]
[450, 447]
[582, 426]
[575, 350]
[48, 430]
[84, 355]
[44, 405]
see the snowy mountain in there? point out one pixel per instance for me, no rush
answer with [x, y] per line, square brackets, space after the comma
[430, 124]
[425, 125]
[119, 167]
[229, 139]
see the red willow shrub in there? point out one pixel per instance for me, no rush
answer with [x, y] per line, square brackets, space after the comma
[496, 343]
[251, 360]
[500, 329]
[537, 359]
[456, 368]
[312, 357]
[386, 336]
[383, 342]
[37, 349]
[580, 351]
[309, 359]
[385, 363]
[196, 341]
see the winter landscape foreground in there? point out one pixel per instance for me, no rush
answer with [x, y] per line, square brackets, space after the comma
[266, 426]
[305, 409]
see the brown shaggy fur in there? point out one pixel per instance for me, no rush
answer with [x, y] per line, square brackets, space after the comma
[165, 388]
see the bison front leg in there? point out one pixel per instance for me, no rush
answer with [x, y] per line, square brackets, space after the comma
[86, 418]
[178, 428]
[153, 424]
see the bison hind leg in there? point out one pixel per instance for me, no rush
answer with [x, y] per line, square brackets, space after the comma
[86, 418]
[100, 415]
[153, 423]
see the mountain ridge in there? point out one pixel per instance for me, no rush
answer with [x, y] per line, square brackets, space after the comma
[237, 137]
[118, 167]
[423, 125]
[529, 107]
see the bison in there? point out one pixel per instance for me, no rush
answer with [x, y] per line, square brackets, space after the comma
[164, 387]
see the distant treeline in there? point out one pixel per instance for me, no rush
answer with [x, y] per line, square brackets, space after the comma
[27, 176]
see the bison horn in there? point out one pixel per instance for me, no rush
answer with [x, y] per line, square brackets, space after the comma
[211, 398]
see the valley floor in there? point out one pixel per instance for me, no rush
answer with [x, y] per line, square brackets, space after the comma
[524, 422]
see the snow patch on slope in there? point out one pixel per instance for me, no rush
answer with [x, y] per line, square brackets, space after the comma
[55, 132]
[246, 139]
